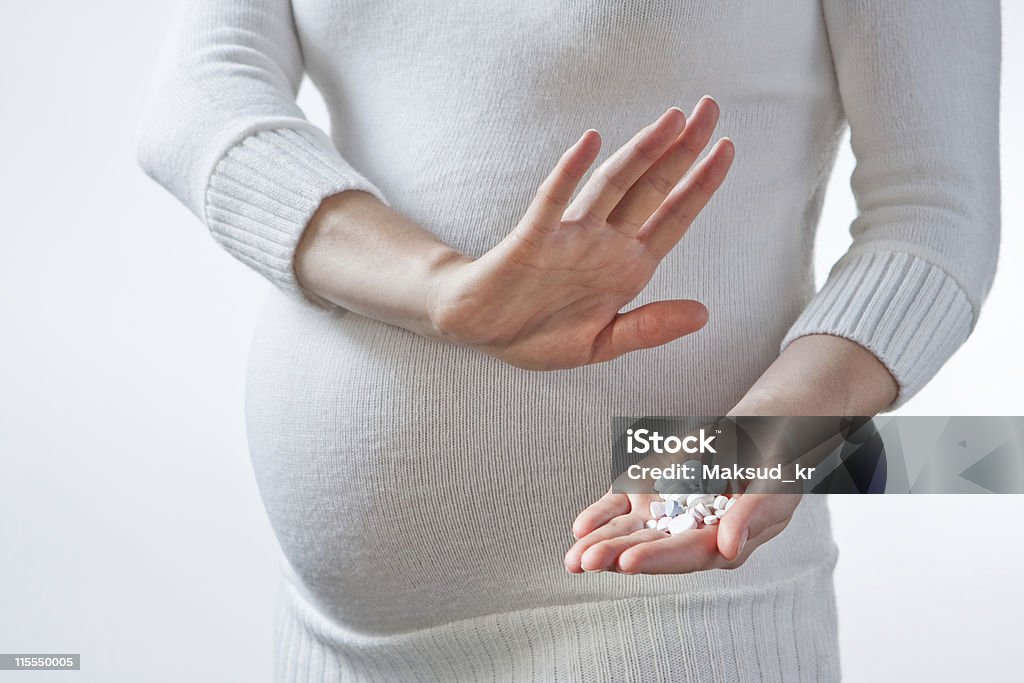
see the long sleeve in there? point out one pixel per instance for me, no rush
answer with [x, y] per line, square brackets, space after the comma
[919, 82]
[222, 131]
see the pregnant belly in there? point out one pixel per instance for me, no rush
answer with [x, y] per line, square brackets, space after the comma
[413, 483]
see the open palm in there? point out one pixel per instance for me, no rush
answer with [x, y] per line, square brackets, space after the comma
[612, 535]
[549, 296]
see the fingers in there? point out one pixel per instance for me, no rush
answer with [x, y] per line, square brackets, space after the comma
[670, 221]
[620, 526]
[607, 507]
[650, 190]
[687, 552]
[634, 182]
[754, 515]
[648, 326]
[614, 178]
[603, 556]
[553, 195]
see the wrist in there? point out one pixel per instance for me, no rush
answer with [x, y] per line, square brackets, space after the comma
[443, 269]
[792, 402]
[821, 375]
[358, 253]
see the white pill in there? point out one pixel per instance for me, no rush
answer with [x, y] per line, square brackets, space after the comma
[721, 502]
[730, 503]
[681, 523]
[694, 498]
[703, 509]
[663, 523]
[652, 524]
[710, 519]
[658, 509]
[672, 508]
[695, 513]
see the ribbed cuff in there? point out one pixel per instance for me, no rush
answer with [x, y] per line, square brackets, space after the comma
[911, 314]
[264, 191]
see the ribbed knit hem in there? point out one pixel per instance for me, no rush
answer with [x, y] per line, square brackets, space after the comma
[784, 632]
[263, 192]
[908, 312]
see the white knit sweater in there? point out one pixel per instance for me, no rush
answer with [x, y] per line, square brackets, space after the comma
[423, 493]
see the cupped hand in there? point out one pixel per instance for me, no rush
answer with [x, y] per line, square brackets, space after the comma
[550, 295]
[612, 536]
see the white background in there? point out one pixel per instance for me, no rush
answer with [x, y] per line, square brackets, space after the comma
[130, 526]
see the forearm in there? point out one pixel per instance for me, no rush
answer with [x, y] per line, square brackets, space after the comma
[550, 295]
[821, 374]
[360, 254]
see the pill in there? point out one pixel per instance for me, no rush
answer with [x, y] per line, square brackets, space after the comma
[672, 508]
[702, 509]
[663, 523]
[695, 513]
[652, 524]
[710, 519]
[681, 523]
[658, 509]
[721, 502]
[730, 503]
[695, 498]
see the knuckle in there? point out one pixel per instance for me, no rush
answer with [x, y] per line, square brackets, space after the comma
[693, 146]
[546, 195]
[613, 178]
[644, 331]
[659, 183]
[649, 150]
[703, 188]
[681, 214]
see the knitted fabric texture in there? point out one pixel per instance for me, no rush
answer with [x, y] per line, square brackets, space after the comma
[453, 112]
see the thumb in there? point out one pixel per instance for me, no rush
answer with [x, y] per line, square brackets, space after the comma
[750, 516]
[648, 326]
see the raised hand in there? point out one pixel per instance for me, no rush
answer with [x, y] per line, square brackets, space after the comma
[549, 296]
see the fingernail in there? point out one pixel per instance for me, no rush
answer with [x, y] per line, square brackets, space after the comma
[743, 542]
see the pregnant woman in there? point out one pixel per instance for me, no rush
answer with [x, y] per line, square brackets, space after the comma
[502, 244]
